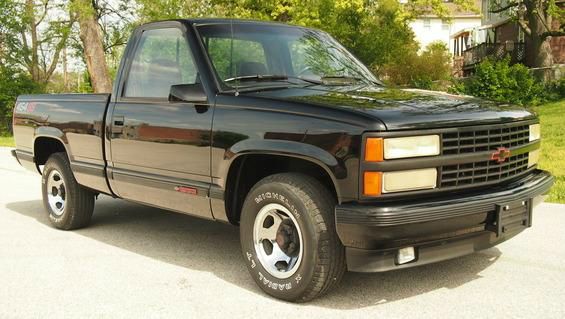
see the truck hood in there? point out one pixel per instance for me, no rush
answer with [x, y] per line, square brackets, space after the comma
[404, 109]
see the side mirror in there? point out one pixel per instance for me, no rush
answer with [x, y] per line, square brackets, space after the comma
[190, 93]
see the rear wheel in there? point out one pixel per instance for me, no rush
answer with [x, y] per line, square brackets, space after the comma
[288, 237]
[69, 205]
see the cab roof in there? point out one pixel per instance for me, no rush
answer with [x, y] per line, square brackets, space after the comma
[205, 21]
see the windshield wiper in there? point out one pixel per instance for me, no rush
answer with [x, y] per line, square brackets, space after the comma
[317, 82]
[352, 79]
[325, 80]
[344, 79]
[270, 77]
[257, 77]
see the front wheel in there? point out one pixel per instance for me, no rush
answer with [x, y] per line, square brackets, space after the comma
[288, 237]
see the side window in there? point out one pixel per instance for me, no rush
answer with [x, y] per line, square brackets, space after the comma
[161, 60]
[248, 57]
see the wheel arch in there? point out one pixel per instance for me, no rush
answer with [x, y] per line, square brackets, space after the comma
[246, 168]
[45, 145]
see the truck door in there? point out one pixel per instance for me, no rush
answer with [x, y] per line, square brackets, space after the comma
[160, 150]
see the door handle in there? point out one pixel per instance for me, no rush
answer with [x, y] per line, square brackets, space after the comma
[117, 124]
[201, 108]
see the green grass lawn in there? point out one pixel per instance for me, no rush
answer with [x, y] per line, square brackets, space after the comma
[552, 117]
[7, 141]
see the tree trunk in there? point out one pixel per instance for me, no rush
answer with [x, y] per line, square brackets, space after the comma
[541, 47]
[34, 63]
[91, 38]
[543, 57]
[65, 71]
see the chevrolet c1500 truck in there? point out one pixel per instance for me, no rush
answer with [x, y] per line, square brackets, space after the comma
[280, 130]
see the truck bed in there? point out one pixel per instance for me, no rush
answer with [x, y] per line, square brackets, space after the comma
[76, 120]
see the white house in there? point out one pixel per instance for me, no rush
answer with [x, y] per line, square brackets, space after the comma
[430, 28]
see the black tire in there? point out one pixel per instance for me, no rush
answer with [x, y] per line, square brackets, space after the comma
[78, 202]
[322, 263]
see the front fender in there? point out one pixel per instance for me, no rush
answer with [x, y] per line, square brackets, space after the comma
[303, 151]
[289, 148]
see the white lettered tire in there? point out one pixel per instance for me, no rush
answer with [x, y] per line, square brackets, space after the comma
[288, 237]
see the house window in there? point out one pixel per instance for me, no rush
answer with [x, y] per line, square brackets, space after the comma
[521, 38]
[427, 24]
[444, 25]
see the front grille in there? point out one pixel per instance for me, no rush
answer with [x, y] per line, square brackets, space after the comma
[482, 172]
[466, 159]
[485, 139]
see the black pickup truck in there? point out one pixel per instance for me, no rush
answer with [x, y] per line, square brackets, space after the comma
[280, 130]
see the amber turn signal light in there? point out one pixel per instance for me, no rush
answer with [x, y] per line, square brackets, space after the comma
[374, 149]
[372, 183]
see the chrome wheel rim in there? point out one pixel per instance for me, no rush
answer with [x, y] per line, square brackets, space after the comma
[56, 192]
[277, 239]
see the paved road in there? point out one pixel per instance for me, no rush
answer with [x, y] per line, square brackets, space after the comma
[139, 262]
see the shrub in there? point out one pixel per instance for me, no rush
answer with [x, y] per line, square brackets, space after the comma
[502, 82]
[556, 90]
[427, 70]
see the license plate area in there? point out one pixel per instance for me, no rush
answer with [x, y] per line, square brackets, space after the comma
[511, 216]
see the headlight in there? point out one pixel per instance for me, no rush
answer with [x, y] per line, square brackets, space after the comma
[414, 146]
[535, 132]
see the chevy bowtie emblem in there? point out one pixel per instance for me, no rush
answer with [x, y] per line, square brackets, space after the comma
[500, 155]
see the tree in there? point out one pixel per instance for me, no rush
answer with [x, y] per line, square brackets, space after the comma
[426, 70]
[115, 18]
[33, 35]
[149, 10]
[13, 82]
[375, 31]
[92, 43]
[535, 18]
[295, 11]
[440, 8]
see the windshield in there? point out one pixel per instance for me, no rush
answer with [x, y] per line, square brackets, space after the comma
[259, 54]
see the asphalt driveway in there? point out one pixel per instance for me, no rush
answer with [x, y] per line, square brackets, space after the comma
[140, 262]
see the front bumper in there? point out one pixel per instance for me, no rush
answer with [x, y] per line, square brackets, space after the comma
[438, 228]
